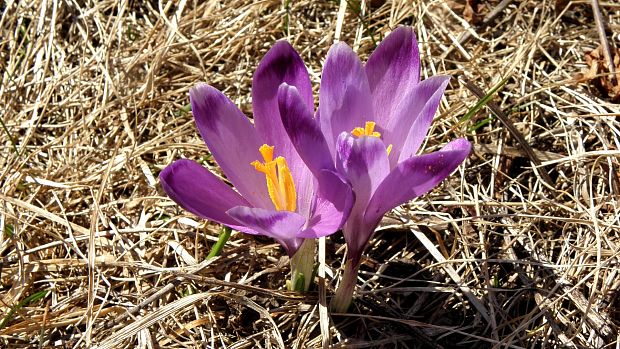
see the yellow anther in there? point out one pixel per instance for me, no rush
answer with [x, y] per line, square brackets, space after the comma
[267, 152]
[280, 183]
[358, 132]
[368, 130]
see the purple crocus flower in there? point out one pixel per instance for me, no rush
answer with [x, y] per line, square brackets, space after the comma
[274, 192]
[371, 122]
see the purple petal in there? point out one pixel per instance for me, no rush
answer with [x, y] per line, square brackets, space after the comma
[200, 192]
[428, 94]
[282, 226]
[357, 233]
[332, 195]
[303, 130]
[232, 140]
[281, 64]
[334, 200]
[344, 99]
[415, 177]
[393, 69]
[364, 163]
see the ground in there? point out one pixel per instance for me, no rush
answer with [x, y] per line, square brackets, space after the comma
[517, 249]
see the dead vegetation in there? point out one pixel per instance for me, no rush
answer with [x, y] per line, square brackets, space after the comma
[518, 249]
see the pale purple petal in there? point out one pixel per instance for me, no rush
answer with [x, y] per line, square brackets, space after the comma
[232, 140]
[199, 191]
[303, 131]
[283, 226]
[415, 177]
[393, 69]
[304, 187]
[433, 90]
[412, 117]
[334, 200]
[344, 99]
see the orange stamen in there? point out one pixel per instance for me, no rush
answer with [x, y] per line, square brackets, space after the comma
[280, 183]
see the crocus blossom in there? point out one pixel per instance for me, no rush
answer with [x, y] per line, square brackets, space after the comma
[371, 121]
[274, 192]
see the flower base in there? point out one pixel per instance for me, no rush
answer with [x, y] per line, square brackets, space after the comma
[344, 294]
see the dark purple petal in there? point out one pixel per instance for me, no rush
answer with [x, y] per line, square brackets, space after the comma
[409, 123]
[281, 64]
[303, 131]
[232, 140]
[283, 226]
[344, 99]
[415, 177]
[333, 203]
[199, 191]
[393, 69]
[430, 90]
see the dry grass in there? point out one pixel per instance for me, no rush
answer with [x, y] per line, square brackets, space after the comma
[94, 104]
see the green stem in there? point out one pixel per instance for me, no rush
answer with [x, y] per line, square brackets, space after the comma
[302, 266]
[483, 101]
[216, 250]
[344, 294]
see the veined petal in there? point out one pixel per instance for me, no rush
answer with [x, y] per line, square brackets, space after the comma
[199, 191]
[412, 117]
[303, 131]
[344, 99]
[415, 177]
[333, 202]
[393, 69]
[282, 64]
[432, 89]
[232, 140]
[283, 226]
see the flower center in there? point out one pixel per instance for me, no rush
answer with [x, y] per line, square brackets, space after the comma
[369, 131]
[280, 183]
